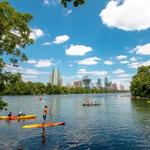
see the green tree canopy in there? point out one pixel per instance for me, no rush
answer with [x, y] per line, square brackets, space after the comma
[76, 3]
[140, 85]
[14, 33]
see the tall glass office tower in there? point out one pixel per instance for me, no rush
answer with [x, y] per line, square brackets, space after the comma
[106, 82]
[55, 78]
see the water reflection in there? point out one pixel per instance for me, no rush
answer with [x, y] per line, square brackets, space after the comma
[43, 135]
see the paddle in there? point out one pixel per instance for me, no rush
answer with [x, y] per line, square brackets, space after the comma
[50, 114]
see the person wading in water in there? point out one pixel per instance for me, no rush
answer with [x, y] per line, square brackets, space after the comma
[45, 113]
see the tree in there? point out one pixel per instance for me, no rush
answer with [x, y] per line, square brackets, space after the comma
[8, 82]
[14, 34]
[140, 85]
[76, 3]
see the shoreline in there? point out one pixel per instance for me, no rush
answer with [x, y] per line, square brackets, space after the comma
[142, 98]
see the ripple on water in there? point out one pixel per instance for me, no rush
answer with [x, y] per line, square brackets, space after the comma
[118, 124]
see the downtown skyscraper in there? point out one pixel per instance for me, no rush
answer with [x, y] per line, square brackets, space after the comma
[55, 77]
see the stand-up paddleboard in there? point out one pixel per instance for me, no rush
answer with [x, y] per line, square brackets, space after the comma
[48, 124]
[18, 117]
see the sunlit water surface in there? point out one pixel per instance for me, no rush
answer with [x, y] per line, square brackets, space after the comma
[118, 124]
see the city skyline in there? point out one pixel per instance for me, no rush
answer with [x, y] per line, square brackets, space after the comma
[85, 82]
[98, 43]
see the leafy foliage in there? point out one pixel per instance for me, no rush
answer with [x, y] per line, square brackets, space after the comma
[2, 104]
[76, 3]
[140, 85]
[14, 33]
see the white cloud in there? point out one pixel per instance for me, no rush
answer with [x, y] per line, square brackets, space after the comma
[124, 62]
[121, 57]
[31, 72]
[122, 81]
[61, 39]
[94, 73]
[43, 63]
[134, 65]
[67, 12]
[11, 68]
[70, 65]
[89, 61]
[142, 49]
[29, 76]
[108, 62]
[146, 63]
[118, 71]
[23, 71]
[128, 15]
[78, 50]
[36, 33]
[31, 61]
[54, 2]
[46, 2]
[133, 59]
[82, 71]
[46, 43]
[124, 75]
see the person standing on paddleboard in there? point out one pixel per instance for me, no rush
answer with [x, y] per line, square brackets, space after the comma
[45, 113]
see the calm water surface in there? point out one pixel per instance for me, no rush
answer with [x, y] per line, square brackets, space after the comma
[118, 124]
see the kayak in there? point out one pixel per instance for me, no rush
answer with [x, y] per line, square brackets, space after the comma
[91, 104]
[40, 125]
[17, 117]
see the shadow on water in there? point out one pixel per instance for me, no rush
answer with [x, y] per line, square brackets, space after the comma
[26, 145]
[141, 115]
[43, 136]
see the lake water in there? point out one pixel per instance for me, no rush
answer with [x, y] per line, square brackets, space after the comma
[118, 124]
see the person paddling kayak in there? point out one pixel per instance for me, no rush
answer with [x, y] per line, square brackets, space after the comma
[9, 115]
[45, 113]
[21, 114]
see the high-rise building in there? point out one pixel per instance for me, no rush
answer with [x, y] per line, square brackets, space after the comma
[69, 85]
[50, 78]
[121, 87]
[114, 86]
[106, 82]
[77, 83]
[86, 82]
[55, 78]
[99, 84]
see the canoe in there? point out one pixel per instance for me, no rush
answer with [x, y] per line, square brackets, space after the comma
[91, 104]
[17, 117]
[40, 125]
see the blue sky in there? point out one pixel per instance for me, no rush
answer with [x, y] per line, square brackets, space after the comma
[99, 38]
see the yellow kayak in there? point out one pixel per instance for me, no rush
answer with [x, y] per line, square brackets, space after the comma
[17, 117]
[40, 125]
